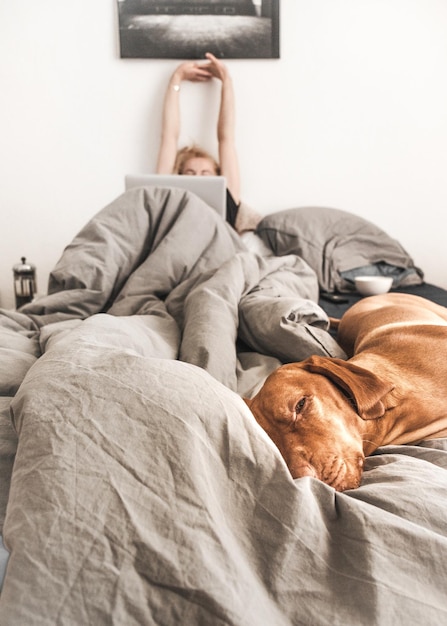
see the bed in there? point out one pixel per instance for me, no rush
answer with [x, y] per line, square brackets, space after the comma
[136, 486]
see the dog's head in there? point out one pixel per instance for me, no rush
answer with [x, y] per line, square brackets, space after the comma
[315, 413]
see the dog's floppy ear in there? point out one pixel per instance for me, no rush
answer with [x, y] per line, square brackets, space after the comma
[366, 389]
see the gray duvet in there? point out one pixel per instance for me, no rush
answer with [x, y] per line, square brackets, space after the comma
[137, 488]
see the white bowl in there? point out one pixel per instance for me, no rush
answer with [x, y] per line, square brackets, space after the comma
[373, 285]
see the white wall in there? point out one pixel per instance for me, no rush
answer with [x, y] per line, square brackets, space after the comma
[353, 116]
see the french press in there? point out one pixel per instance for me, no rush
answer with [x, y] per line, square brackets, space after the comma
[24, 282]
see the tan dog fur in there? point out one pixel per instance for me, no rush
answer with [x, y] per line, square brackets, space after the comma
[325, 414]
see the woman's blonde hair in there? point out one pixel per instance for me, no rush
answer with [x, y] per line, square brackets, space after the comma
[193, 152]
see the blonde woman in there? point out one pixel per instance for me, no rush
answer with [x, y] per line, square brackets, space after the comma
[193, 160]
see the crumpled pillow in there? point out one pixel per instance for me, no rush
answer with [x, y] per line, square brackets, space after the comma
[337, 245]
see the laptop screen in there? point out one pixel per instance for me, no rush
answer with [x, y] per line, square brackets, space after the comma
[211, 189]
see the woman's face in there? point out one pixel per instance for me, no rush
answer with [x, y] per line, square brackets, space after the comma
[199, 166]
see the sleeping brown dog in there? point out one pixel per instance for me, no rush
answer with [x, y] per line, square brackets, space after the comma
[325, 414]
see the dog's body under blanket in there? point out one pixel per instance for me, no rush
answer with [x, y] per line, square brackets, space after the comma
[325, 414]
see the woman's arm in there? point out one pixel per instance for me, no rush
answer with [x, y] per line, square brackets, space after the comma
[229, 164]
[170, 129]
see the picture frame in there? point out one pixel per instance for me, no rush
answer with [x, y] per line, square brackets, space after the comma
[187, 29]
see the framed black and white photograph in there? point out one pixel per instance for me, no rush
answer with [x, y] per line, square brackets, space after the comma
[186, 29]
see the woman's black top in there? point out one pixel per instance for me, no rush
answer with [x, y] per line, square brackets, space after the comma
[232, 209]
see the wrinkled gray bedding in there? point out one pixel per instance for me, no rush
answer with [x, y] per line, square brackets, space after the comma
[144, 492]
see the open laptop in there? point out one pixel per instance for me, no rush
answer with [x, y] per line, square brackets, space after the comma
[211, 189]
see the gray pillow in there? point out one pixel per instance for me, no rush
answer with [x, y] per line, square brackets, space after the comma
[336, 244]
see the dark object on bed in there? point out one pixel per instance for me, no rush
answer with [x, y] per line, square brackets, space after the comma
[425, 290]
